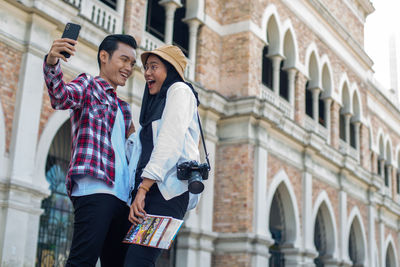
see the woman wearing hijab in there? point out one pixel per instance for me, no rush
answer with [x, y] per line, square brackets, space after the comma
[168, 134]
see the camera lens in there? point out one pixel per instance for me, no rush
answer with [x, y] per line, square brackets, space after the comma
[195, 183]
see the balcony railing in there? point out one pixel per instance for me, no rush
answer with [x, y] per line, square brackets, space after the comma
[268, 94]
[99, 13]
[150, 42]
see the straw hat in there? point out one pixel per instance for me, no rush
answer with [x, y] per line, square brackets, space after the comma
[170, 53]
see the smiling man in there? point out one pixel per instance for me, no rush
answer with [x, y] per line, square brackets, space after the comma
[97, 180]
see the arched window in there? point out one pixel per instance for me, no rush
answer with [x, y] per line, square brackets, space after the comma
[181, 29]
[342, 125]
[56, 223]
[398, 182]
[267, 71]
[386, 174]
[309, 101]
[353, 135]
[110, 3]
[155, 21]
[321, 111]
[283, 82]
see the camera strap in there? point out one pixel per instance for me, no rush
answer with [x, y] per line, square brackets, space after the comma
[204, 143]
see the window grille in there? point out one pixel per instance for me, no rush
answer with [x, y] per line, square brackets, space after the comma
[56, 223]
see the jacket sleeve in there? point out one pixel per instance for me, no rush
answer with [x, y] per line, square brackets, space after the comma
[177, 115]
[62, 95]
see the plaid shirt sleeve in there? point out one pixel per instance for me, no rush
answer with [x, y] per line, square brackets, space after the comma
[62, 95]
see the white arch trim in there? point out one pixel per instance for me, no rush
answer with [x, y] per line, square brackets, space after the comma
[356, 215]
[396, 157]
[312, 48]
[321, 199]
[389, 241]
[378, 138]
[53, 125]
[282, 178]
[356, 93]
[388, 141]
[326, 62]
[344, 80]
[270, 11]
[288, 27]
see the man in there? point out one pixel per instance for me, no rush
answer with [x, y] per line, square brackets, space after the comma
[97, 180]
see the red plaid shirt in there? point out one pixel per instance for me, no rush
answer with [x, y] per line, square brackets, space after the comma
[93, 105]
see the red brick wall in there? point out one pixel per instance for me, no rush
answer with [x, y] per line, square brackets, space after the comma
[10, 64]
[233, 197]
[229, 260]
[135, 13]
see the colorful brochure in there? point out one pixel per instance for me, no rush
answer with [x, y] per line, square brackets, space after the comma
[156, 231]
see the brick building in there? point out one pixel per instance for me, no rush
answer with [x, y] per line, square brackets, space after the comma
[304, 144]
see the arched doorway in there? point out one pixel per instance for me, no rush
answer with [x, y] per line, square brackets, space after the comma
[320, 239]
[56, 223]
[324, 235]
[356, 245]
[390, 259]
[277, 229]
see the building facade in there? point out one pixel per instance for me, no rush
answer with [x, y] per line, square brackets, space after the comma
[304, 144]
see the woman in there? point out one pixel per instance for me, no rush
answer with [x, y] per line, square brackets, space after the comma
[168, 134]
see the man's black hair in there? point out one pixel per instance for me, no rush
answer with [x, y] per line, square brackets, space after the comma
[110, 44]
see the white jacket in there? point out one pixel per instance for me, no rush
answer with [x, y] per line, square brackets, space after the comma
[175, 140]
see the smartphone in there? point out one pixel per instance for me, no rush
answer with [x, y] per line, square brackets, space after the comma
[71, 31]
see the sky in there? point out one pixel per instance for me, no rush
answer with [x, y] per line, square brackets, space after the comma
[384, 21]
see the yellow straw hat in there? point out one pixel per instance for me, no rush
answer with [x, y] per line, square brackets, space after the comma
[170, 53]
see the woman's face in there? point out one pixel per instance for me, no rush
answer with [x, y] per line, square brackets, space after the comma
[155, 73]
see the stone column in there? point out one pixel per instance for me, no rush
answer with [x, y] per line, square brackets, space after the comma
[260, 215]
[357, 125]
[170, 8]
[343, 224]
[371, 233]
[193, 28]
[300, 89]
[291, 80]
[307, 221]
[382, 166]
[195, 240]
[347, 118]
[21, 205]
[315, 97]
[276, 64]
[328, 102]
[335, 107]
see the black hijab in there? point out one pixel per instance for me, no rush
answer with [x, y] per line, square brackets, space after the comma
[153, 105]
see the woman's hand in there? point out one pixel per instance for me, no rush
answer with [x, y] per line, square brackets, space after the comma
[137, 212]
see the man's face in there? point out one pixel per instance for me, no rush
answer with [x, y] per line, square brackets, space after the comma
[155, 73]
[116, 69]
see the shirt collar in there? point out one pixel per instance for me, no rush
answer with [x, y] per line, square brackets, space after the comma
[104, 84]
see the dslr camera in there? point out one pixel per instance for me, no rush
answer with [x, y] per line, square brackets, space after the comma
[194, 174]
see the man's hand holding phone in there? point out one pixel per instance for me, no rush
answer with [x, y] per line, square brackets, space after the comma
[60, 45]
[64, 48]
